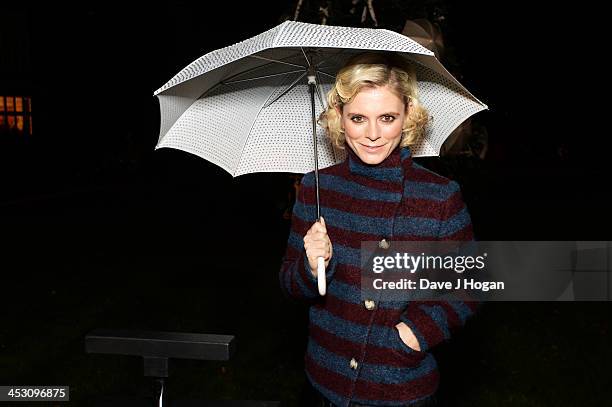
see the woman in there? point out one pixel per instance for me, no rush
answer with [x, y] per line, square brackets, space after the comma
[364, 352]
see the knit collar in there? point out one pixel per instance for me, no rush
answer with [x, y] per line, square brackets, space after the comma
[390, 169]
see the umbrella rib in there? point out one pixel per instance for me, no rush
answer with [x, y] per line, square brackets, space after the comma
[250, 70]
[305, 56]
[325, 73]
[261, 77]
[317, 88]
[276, 60]
[285, 91]
[333, 55]
[209, 90]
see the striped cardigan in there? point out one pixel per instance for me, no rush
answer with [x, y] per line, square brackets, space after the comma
[354, 352]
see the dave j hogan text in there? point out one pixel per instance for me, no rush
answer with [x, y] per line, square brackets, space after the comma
[426, 284]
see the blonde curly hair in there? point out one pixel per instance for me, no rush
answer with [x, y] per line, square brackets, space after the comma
[371, 69]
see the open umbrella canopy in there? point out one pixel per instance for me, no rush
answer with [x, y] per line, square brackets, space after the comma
[247, 107]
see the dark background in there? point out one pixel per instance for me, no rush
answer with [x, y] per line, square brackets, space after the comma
[100, 230]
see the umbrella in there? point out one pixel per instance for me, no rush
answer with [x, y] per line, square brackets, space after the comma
[251, 106]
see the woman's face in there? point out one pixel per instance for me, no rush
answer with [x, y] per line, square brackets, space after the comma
[372, 123]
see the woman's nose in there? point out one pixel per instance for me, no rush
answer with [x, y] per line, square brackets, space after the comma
[373, 133]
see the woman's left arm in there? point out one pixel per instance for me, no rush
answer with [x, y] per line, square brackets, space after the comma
[424, 324]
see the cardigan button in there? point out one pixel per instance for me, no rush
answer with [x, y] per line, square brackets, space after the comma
[353, 364]
[383, 244]
[370, 305]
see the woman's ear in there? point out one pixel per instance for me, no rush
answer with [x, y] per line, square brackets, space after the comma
[338, 110]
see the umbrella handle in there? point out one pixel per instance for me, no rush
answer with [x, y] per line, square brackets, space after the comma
[321, 275]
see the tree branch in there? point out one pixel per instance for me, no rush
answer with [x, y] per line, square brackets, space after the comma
[297, 10]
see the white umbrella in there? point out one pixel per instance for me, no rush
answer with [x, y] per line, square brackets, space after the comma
[251, 107]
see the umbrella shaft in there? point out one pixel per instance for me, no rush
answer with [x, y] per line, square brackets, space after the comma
[311, 87]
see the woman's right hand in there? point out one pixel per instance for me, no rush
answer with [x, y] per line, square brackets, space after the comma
[317, 244]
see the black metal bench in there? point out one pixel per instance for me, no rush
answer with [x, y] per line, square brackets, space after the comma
[156, 347]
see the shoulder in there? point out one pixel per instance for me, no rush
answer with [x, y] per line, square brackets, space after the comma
[444, 200]
[328, 173]
[439, 185]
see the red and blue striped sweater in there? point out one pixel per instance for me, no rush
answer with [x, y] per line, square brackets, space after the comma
[354, 352]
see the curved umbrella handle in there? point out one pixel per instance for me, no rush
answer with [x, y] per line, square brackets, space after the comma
[321, 275]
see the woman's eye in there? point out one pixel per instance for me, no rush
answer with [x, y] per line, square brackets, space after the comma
[357, 119]
[388, 118]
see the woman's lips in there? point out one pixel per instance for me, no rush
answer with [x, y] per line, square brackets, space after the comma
[372, 149]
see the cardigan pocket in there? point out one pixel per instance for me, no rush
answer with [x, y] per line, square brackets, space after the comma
[403, 350]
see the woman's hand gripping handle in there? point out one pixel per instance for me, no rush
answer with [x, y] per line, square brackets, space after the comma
[319, 251]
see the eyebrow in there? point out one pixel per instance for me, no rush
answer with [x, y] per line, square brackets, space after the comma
[383, 114]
